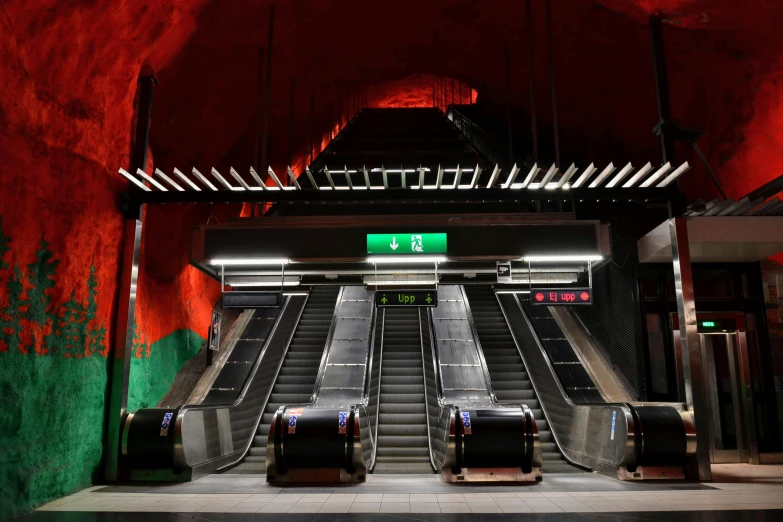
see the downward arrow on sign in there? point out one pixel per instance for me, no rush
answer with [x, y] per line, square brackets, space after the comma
[394, 243]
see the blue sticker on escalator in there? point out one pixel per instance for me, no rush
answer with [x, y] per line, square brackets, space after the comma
[466, 427]
[342, 423]
[614, 419]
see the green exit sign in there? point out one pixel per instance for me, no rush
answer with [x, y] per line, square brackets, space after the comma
[408, 243]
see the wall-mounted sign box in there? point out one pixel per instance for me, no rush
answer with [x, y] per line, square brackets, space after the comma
[409, 243]
[561, 296]
[406, 298]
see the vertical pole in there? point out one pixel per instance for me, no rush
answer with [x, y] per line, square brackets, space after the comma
[552, 80]
[692, 364]
[339, 110]
[312, 126]
[259, 112]
[119, 372]
[291, 123]
[270, 41]
[662, 88]
[531, 77]
[508, 112]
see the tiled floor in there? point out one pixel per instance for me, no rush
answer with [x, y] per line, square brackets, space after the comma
[740, 488]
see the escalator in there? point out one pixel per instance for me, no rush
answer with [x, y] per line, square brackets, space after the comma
[402, 420]
[297, 375]
[507, 370]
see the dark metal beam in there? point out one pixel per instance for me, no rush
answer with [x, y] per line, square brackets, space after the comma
[531, 77]
[268, 101]
[663, 129]
[495, 194]
[508, 111]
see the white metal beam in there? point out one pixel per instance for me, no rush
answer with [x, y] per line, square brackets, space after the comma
[184, 178]
[149, 178]
[133, 179]
[170, 181]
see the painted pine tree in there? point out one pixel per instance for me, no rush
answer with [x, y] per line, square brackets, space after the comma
[5, 246]
[97, 332]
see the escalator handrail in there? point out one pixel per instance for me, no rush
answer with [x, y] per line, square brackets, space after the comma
[179, 445]
[274, 380]
[368, 361]
[436, 363]
[380, 370]
[327, 349]
[479, 349]
[426, 402]
[559, 385]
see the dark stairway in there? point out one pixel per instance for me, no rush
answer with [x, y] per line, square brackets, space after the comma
[507, 371]
[402, 424]
[297, 375]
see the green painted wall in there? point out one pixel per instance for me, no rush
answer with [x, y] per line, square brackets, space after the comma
[152, 375]
[54, 374]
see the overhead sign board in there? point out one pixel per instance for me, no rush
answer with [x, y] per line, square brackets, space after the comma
[409, 243]
[504, 271]
[406, 298]
[561, 296]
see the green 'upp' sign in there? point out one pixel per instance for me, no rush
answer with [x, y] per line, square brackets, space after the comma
[407, 243]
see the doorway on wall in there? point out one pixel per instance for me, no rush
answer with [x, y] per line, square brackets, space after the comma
[723, 340]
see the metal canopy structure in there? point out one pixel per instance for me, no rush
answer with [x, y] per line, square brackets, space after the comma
[420, 183]
[764, 201]
[719, 239]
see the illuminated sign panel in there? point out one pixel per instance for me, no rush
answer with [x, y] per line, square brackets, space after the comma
[409, 243]
[561, 296]
[406, 298]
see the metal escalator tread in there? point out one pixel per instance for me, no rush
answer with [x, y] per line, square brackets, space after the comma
[403, 446]
[508, 373]
[297, 375]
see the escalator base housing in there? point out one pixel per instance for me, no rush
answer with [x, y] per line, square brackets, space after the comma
[491, 475]
[651, 473]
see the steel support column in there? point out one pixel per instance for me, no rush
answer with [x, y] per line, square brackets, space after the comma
[692, 364]
[123, 345]
[119, 369]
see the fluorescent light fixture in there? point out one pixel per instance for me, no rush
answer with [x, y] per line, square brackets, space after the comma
[405, 259]
[556, 258]
[293, 294]
[249, 261]
[395, 282]
[512, 291]
[264, 283]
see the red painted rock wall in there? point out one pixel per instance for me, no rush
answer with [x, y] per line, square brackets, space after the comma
[69, 69]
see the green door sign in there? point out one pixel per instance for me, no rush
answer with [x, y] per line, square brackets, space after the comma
[408, 243]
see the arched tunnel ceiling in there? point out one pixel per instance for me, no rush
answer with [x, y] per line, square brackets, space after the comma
[70, 69]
